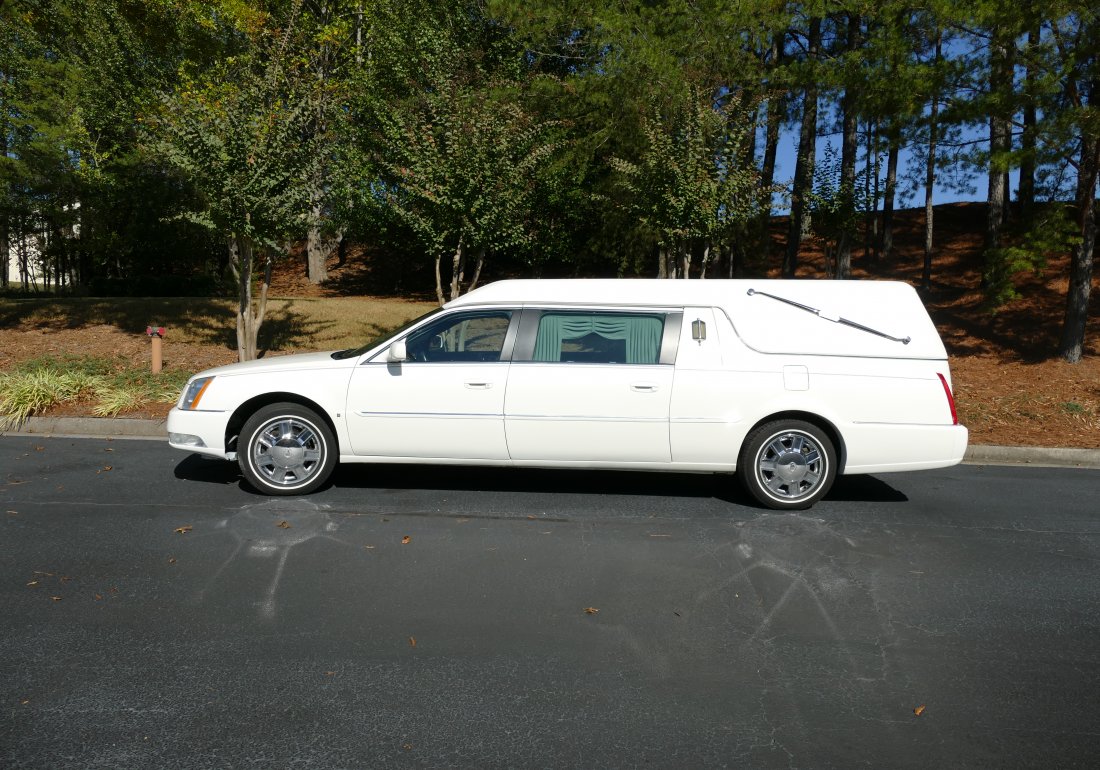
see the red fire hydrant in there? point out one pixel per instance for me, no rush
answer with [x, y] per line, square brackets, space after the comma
[156, 333]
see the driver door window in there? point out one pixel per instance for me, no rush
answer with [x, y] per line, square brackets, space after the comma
[469, 338]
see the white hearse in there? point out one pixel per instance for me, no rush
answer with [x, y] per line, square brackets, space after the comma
[787, 383]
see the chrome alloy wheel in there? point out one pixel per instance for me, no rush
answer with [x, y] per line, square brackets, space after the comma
[286, 452]
[790, 466]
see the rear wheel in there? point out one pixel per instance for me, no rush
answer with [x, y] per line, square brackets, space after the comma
[788, 464]
[286, 449]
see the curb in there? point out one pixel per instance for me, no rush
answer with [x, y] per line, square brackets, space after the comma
[155, 430]
[1039, 457]
[84, 427]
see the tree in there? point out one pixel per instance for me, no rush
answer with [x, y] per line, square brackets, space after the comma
[692, 181]
[334, 32]
[463, 165]
[234, 133]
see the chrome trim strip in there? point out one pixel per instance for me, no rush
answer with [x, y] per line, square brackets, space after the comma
[581, 418]
[707, 420]
[905, 424]
[434, 415]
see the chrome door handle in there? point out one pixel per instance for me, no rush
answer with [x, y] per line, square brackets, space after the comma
[479, 385]
[644, 387]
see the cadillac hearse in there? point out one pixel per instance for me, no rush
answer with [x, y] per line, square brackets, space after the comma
[785, 383]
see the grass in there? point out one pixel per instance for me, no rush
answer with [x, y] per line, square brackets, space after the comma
[113, 386]
[290, 324]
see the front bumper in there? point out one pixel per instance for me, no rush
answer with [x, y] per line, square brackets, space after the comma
[198, 431]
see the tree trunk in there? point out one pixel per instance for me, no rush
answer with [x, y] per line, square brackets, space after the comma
[1027, 138]
[439, 279]
[250, 311]
[804, 163]
[930, 177]
[5, 229]
[240, 256]
[477, 269]
[359, 34]
[662, 262]
[848, 151]
[685, 259]
[458, 267]
[871, 192]
[316, 252]
[1000, 142]
[888, 199]
[706, 259]
[1072, 344]
[777, 108]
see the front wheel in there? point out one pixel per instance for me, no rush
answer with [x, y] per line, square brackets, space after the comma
[788, 464]
[286, 449]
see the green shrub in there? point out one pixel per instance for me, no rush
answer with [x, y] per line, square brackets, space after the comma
[35, 386]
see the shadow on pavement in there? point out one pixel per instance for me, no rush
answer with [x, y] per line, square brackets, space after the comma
[388, 479]
[864, 489]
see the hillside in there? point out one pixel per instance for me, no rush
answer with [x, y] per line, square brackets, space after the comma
[1010, 388]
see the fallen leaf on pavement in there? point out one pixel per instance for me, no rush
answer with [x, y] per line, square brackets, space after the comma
[283, 525]
[369, 547]
[183, 530]
[25, 701]
[99, 597]
[33, 583]
[13, 513]
[591, 610]
[171, 559]
[56, 598]
[406, 540]
[39, 448]
[412, 641]
[919, 710]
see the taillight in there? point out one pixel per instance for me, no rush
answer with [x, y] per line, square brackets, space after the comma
[950, 399]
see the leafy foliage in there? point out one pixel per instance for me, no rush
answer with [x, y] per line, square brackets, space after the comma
[173, 137]
[1052, 231]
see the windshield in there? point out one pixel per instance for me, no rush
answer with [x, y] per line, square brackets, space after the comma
[386, 337]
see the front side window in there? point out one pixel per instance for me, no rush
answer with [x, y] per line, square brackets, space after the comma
[600, 338]
[468, 337]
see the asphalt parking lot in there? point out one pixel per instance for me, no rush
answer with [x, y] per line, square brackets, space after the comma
[159, 614]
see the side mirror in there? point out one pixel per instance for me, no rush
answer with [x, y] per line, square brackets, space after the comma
[397, 351]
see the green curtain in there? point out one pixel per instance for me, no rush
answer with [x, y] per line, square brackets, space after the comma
[641, 332]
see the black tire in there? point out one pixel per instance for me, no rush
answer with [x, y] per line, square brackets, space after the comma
[286, 449]
[787, 465]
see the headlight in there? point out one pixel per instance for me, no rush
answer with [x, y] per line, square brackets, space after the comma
[193, 394]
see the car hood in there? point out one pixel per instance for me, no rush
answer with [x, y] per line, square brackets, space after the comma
[294, 362]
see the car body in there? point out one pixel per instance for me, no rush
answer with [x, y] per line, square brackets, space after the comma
[789, 383]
